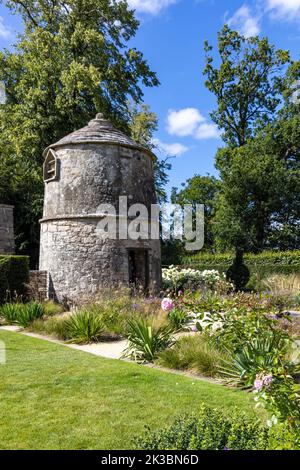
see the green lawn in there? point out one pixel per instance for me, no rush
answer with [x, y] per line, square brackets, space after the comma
[53, 397]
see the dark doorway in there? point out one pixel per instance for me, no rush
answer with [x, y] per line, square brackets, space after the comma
[138, 262]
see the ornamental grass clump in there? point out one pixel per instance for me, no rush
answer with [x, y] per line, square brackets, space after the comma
[147, 341]
[84, 327]
[9, 312]
[22, 314]
[28, 313]
[194, 354]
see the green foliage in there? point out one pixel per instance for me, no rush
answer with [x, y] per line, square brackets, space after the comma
[297, 300]
[260, 265]
[143, 123]
[73, 59]
[259, 167]
[258, 354]
[264, 259]
[84, 327]
[239, 326]
[14, 275]
[22, 314]
[247, 83]
[51, 308]
[238, 273]
[200, 190]
[210, 429]
[28, 313]
[282, 437]
[9, 312]
[146, 341]
[54, 326]
[258, 205]
[194, 354]
[178, 318]
[280, 398]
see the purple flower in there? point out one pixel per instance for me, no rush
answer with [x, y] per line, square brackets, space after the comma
[167, 304]
[268, 379]
[258, 384]
[262, 381]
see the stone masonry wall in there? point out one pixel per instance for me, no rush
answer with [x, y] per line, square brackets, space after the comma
[38, 285]
[7, 242]
[80, 263]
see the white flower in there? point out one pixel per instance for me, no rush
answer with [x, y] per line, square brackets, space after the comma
[218, 325]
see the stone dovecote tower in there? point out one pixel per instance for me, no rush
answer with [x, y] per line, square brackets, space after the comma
[85, 170]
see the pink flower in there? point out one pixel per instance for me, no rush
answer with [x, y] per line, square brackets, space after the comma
[262, 380]
[167, 304]
[258, 384]
[268, 379]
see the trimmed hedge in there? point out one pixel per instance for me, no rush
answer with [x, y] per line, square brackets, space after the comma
[263, 264]
[14, 275]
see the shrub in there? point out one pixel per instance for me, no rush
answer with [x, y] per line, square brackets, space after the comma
[178, 318]
[258, 354]
[210, 429]
[54, 326]
[193, 353]
[28, 313]
[14, 275]
[84, 327]
[260, 265]
[22, 314]
[232, 329]
[277, 392]
[51, 308]
[9, 312]
[282, 437]
[176, 279]
[145, 341]
[238, 273]
[116, 308]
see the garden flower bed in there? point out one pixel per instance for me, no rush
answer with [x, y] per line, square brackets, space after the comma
[200, 326]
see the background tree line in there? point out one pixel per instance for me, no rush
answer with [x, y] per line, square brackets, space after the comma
[255, 202]
[73, 59]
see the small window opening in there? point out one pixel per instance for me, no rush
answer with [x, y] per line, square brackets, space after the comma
[50, 167]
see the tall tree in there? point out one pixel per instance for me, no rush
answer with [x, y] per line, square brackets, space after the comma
[200, 190]
[72, 60]
[143, 124]
[260, 206]
[247, 84]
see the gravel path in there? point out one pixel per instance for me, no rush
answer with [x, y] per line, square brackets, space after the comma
[110, 350]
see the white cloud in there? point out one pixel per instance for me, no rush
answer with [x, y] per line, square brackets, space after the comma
[4, 31]
[246, 23]
[284, 9]
[207, 131]
[190, 122]
[183, 122]
[150, 6]
[173, 150]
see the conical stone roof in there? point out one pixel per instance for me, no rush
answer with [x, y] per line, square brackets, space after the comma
[99, 131]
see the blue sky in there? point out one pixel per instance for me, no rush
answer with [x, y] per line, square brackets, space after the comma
[171, 36]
